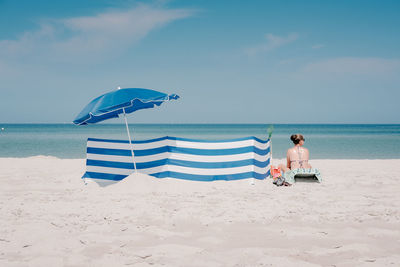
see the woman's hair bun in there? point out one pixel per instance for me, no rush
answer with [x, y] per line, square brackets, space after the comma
[296, 138]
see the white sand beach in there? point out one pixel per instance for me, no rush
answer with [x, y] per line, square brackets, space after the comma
[48, 217]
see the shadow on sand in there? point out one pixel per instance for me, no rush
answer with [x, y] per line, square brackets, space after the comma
[306, 178]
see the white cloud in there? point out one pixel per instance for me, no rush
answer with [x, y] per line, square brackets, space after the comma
[352, 67]
[272, 42]
[26, 43]
[317, 46]
[90, 36]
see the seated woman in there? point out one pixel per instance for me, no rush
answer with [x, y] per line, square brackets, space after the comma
[297, 156]
[297, 161]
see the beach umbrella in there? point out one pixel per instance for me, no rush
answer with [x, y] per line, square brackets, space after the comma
[121, 101]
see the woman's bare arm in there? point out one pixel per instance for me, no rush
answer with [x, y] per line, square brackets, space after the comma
[307, 157]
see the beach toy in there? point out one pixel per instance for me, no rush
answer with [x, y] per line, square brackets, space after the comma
[275, 172]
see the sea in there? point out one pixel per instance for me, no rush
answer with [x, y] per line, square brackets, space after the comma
[325, 141]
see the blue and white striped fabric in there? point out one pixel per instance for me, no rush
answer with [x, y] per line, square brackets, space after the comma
[109, 161]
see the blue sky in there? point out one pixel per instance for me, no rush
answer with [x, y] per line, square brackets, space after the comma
[230, 61]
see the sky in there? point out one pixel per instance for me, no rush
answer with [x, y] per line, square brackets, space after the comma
[230, 61]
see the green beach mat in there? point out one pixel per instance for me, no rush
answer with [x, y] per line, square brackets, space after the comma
[290, 175]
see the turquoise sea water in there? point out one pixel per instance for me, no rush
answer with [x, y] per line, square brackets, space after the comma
[325, 141]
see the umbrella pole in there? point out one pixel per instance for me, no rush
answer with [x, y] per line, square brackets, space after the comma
[130, 142]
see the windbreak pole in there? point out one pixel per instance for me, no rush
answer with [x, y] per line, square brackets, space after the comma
[130, 141]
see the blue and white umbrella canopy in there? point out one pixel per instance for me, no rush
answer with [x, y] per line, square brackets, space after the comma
[121, 101]
[127, 100]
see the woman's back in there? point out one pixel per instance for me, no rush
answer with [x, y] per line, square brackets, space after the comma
[297, 157]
